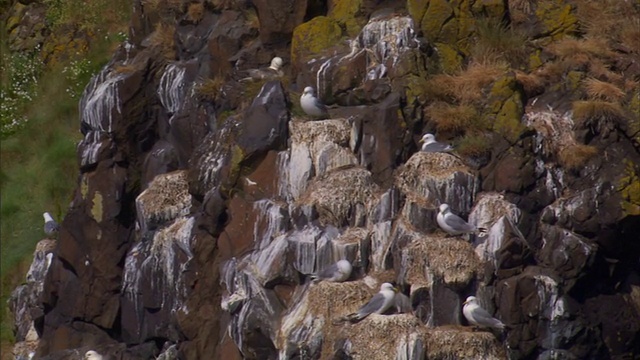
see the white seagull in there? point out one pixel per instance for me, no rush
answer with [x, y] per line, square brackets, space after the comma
[312, 105]
[337, 272]
[378, 304]
[478, 316]
[92, 355]
[453, 224]
[51, 227]
[272, 72]
[431, 145]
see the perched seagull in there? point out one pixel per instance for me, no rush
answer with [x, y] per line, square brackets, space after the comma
[431, 145]
[312, 105]
[337, 272]
[272, 72]
[51, 227]
[478, 316]
[453, 224]
[92, 355]
[378, 304]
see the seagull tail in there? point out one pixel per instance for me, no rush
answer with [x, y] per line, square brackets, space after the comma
[482, 230]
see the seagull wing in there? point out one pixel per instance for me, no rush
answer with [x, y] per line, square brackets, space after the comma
[375, 304]
[328, 272]
[436, 147]
[482, 317]
[320, 105]
[456, 223]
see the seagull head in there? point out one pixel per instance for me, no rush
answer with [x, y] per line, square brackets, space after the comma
[428, 138]
[387, 286]
[276, 63]
[470, 300]
[444, 208]
[344, 266]
[309, 91]
[91, 355]
[47, 217]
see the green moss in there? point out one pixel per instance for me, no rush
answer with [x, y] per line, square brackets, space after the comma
[349, 14]
[506, 103]
[629, 188]
[84, 187]
[416, 9]
[237, 156]
[415, 89]
[96, 209]
[557, 18]
[436, 16]
[534, 60]
[634, 120]
[574, 80]
[313, 37]
[450, 58]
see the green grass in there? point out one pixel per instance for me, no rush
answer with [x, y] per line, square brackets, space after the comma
[38, 174]
[38, 164]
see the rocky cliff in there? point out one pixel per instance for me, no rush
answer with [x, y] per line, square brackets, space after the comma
[204, 203]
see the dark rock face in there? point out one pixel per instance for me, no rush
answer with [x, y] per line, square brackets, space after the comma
[204, 204]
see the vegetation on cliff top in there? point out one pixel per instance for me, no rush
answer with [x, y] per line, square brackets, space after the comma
[39, 127]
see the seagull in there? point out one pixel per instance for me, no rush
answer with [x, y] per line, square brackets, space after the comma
[337, 272]
[431, 145]
[453, 224]
[272, 72]
[378, 304]
[312, 105]
[478, 316]
[92, 355]
[51, 227]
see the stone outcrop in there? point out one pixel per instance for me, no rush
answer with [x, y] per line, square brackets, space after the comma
[203, 204]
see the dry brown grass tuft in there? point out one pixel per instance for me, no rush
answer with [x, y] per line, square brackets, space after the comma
[601, 90]
[617, 20]
[451, 118]
[496, 42]
[600, 70]
[584, 111]
[575, 156]
[195, 12]
[467, 87]
[252, 19]
[630, 35]
[210, 89]
[163, 40]
[585, 49]
[531, 83]
[472, 145]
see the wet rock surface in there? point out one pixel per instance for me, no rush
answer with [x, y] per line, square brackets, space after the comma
[203, 204]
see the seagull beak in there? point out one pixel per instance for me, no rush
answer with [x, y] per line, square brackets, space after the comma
[421, 140]
[395, 289]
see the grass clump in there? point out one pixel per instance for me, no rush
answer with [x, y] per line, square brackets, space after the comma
[451, 118]
[210, 89]
[467, 86]
[584, 111]
[162, 40]
[602, 90]
[575, 156]
[496, 41]
[474, 145]
[195, 12]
